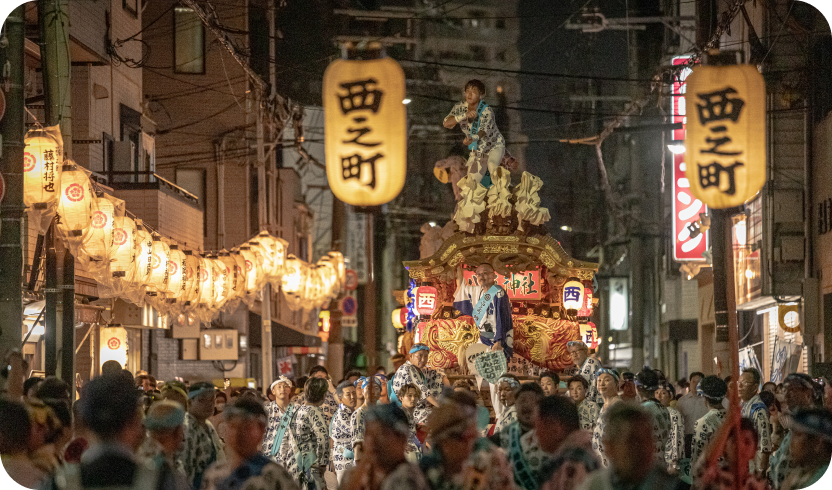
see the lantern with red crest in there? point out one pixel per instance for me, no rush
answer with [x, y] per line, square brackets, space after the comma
[586, 309]
[426, 300]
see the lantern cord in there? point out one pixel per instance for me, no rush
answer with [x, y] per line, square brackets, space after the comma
[37, 123]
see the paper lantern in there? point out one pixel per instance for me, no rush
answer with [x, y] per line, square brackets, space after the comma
[586, 308]
[219, 275]
[365, 130]
[292, 278]
[76, 203]
[99, 238]
[725, 147]
[190, 283]
[238, 273]
[176, 268]
[426, 297]
[144, 256]
[573, 295]
[123, 252]
[399, 319]
[206, 285]
[230, 286]
[589, 335]
[159, 265]
[253, 271]
[42, 165]
[324, 325]
[337, 260]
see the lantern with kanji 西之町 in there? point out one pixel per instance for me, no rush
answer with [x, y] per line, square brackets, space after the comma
[573, 296]
[75, 207]
[365, 130]
[425, 300]
[725, 147]
[42, 165]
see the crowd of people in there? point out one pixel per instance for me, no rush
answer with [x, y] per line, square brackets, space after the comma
[412, 429]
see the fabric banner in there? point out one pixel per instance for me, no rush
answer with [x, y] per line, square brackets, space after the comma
[748, 359]
[785, 359]
[285, 367]
[491, 365]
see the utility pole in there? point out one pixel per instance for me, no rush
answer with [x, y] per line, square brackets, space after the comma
[335, 348]
[11, 168]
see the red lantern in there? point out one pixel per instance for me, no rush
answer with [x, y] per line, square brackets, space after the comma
[586, 309]
[426, 300]
[589, 335]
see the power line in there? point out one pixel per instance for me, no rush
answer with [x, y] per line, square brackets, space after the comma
[529, 73]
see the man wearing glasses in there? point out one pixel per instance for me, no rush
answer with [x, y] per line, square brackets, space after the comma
[588, 367]
[488, 303]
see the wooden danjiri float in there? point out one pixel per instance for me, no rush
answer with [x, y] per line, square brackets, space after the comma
[506, 231]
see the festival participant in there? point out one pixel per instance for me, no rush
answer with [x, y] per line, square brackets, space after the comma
[309, 450]
[50, 432]
[629, 446]
[281, 390]
[330, 404]
[340, 430]
[175, 391]
[246, 467]
[477, 121]
[607, 386]
[754, 409]
[202, 443]
[588, 367]
[588, 410]
[774, 413]
[409, 396]
[675, 450]
[647, 382]
[453, 433]
[693, 407]
[30, 387]
[164, 425]
[488, 303]
[721, 475]
[571, 457]
[111, 411]
[507, 387]
[798, 393]
[15, 434]
[371, 389]
[769, 386]
[714, 390]
[549, 381]
[80, 437]
[429, 381]
[520, 440]
[385, 466]
[811, 447]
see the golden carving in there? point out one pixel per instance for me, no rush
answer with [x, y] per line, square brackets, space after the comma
[530, 250]
[456, 260]
[432, 262]
[449, 252]
[417, 274]
[500, 249]
[532, 240]
[509, 238]
[570, 264]
[548, 260]
[469, 239]
[437, 270]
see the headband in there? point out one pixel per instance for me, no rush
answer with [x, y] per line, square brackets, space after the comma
[611, 372]
[173, 419]
[196, 393]
[577, 343]
[417, 348]
[176, 389]
[280, 379]
[815, 422]
[509, 381]
[365, 381]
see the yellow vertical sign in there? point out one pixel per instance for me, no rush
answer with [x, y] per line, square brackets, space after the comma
[365, 130]
[725, 144]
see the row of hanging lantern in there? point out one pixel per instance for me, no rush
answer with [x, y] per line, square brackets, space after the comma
[130, 261]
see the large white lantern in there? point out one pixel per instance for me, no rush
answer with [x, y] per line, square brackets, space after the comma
[144, 256]
[238, 273]
[99, 239]
[573, 296]
[75, 207]
[230, 277]
[206, 285]
[253, 270]
[159, 265]
[176, 268]
[190, 278]
[42, 165]
[123, 252]
[337, 260]
[219, 277]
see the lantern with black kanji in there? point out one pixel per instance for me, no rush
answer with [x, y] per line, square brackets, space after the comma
[365, 130]
[42, 165]
[176, 267]
[573, 296]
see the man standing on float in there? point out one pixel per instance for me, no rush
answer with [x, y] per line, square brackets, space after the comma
[487, 302]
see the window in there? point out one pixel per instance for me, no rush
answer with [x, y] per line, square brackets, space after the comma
[188, 42]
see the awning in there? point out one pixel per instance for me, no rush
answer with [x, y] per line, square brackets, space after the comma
[282, 336]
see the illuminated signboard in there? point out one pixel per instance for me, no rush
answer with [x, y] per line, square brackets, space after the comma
[520, 286]
[686, 207]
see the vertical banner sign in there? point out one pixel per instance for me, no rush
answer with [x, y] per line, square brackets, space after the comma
[686, 207]
[725, 143]
[365, 130]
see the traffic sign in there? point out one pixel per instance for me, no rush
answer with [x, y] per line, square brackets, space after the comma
[351, 280]
[349, 306]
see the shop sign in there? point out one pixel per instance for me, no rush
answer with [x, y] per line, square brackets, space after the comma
[725, 144]
[686, 207]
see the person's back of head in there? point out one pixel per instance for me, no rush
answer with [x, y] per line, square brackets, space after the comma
[53, 388]
[109, 405]
[647, 382]
[714, 390]
[111, 367]
[15, 428]
[628, 440]
[164, 416]
[315, 390]
[31, 384]
[560, 410]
